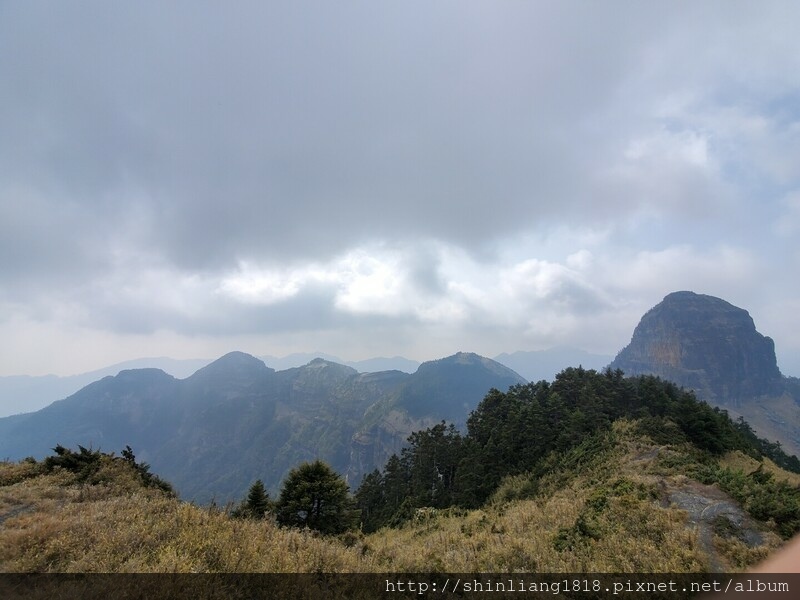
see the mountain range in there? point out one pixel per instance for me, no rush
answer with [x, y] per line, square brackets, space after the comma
[236, 419]
[25, 393]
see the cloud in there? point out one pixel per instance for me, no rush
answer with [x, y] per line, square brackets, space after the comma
[722, 270]
[788, 222]
[504, 175]
[669, 172]
[270, 133]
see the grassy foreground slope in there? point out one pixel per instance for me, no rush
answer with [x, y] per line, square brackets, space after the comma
[56, 523]
[618, 501]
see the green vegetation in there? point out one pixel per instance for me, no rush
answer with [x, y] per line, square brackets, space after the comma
[592, 473]
[90, 466]
[256, 505]
[316, 497]
[603, 506]
[523, 431]
[760, 494]
[143, 469]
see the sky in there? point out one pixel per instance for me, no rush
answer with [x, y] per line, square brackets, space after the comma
[389, 178]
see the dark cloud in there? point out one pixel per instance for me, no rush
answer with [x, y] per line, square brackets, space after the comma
[274, 132]
[151, 150]
[312, 309]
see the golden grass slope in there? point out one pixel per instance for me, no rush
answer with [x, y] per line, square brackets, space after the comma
[613, 513]
[51, 525]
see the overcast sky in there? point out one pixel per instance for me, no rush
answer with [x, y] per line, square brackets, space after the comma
[389, 178]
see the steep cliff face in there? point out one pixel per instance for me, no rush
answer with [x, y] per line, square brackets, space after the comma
[704, 343]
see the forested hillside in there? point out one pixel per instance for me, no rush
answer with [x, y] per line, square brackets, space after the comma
[523, 430]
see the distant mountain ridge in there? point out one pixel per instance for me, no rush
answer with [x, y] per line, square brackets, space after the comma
[237, 420]
[712, 347]
[537, 365]
[24, 393]
[369, 365]
[27, 393]
[706, 344]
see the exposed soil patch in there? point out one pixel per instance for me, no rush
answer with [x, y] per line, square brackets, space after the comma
[708, 509]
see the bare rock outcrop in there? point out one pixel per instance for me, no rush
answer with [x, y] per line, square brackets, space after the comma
[706, 344]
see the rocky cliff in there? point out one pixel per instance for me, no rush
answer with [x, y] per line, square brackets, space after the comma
[706, 344]
[712, 347]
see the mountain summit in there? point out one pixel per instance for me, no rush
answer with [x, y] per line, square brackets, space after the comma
[706, 344]
[713, 348]
[237, 420]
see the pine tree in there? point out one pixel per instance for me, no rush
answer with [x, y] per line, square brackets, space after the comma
[257, 503]
[317, 497]
[371, 501]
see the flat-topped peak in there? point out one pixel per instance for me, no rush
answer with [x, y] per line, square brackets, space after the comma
[704, 343]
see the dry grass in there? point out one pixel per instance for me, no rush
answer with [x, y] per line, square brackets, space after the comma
[739, 555]
[560, 531]
[739, 461]
[630, 537]
[145, 532]
[50, 523]
[607, 516]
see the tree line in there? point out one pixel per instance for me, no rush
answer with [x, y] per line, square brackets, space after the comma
[519, 431]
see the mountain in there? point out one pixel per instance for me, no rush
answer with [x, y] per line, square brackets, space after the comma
[440, 390]
[25, 393]
[712, 347]
[382, 363]
[141, 406]
[297, 359]
[593, 473]
[369, 365]
[237, 420]
[540, 365]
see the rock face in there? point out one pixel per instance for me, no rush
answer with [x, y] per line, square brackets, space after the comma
[706, 344]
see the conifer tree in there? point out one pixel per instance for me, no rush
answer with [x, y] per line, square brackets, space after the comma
[257, 500]
[317, 497]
